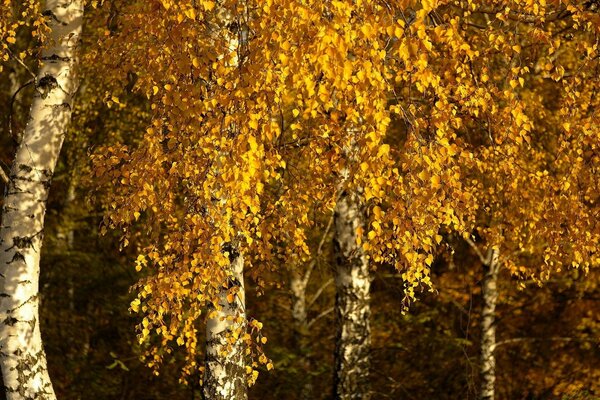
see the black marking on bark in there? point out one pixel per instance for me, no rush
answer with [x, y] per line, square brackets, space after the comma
[22, 242]
[17, 257]
[50, 13]
[30, 299]
[232, 249]
[64, 105]
[46, 84]
[10, 321]
[56, 57]
[25, 167]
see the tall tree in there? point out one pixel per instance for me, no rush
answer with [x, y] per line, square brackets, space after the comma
[22, 355]
[225, 372]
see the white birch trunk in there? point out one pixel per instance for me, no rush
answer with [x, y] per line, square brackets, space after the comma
[225, 375]
[353, 283]
[298, 284]
[22, 356]
[489, 292]
[225, 372]
[298, 289]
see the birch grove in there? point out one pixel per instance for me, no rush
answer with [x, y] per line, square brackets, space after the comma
[222, 134]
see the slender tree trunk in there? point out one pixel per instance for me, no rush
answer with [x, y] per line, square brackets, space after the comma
[298, 289]
[225, 373]
[225, 376]
[489, 293]
[298, 285]
[353, 342]
[22, 355]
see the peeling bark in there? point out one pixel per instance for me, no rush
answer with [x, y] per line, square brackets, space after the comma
[22, 356]
[225, 375]
[489, 292]
[353, 342]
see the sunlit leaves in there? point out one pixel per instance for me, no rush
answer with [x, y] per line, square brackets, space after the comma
[446, 116]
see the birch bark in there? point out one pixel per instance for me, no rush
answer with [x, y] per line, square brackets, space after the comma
[489, 293]
[353, 342]
[298, 284]
[22, 356]
[225, 375]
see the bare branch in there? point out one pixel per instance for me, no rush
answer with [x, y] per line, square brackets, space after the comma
[323, 314]
[550, 339]
[18, 59]
[471, 243]
[313, 263]
[318, 293]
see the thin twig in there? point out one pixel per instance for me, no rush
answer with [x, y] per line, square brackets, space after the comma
[17, 59]
[313, 263]
[550, 339]
[318, 293]
[323, 314]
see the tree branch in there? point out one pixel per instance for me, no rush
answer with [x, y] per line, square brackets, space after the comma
[323, 314]
[471, 243]
[318, 293]
[18, 59]
[550, 339]
[312, 264]
[4, 176]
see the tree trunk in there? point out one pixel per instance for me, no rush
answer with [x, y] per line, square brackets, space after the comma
[353, 342]
[225, 375]
[489, 292]
[22, 355]
[298, 284]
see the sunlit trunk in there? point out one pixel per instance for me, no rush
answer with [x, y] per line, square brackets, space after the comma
[21, 352]
[225, 375]
[353, 311]
[489, 292]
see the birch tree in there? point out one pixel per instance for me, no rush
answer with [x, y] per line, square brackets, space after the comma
[353, 283]
[225, 374]
[489, 294]
[22, 356]
[312, 70]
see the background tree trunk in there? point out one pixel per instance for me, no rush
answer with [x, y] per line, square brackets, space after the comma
[225, 375]
[489, 292]
[353, 342]
[21, 352]
[298, 284]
